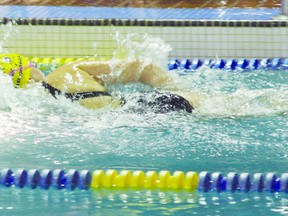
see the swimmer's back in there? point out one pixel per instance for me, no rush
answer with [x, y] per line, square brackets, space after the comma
[70, 79]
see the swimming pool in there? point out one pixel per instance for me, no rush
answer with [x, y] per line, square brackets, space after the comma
[240, 127]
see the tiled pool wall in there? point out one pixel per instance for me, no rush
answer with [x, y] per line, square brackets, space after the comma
[207, 38]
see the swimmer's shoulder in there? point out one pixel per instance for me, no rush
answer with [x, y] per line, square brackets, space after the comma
[67, 78]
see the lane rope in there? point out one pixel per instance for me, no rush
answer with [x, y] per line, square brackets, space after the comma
[242, 64]
[178, 180]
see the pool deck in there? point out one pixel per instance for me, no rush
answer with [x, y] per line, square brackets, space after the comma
[82, 13]
[151, 3]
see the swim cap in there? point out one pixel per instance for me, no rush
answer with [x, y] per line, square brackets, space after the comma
[16, 66]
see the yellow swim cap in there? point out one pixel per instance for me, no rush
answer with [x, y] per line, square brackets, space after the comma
[16, 66]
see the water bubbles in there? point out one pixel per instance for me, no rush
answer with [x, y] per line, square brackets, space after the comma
[231, 94]
[142, 47]
[8, 31]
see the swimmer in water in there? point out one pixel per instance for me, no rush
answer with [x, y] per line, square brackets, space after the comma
[85, 81]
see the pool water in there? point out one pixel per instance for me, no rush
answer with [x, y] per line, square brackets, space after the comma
[241, 126]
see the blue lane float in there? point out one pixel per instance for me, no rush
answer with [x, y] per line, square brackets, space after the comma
[219, 64]
[19, 178]
[34, 178]
[185, 64]
[229, 64]
[204, 181]
[243, 64]
[208, 63]
[253, 64]
[264, 63]
[285, 64]
[46, 178]
[173, 64]
[276, 63]
[196, 63]
[258, 182]
[59, 179]
[245, 183]
[232, 182]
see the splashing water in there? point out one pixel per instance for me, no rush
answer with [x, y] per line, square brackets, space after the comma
[252, 93]
[144, 48]
[8, 31]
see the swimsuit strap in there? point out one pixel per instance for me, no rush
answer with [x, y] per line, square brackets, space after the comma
[53, 91]
[83, 95]
[74, 96]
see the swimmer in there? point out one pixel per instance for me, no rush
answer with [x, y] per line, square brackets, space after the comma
[85, 81]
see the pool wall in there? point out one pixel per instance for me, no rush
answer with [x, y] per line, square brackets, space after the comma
[191, 33]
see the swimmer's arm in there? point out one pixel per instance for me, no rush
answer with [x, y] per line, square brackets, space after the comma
[36, 75]
[131, 71]
[154, 76]
[94, 68]
[150, 74]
